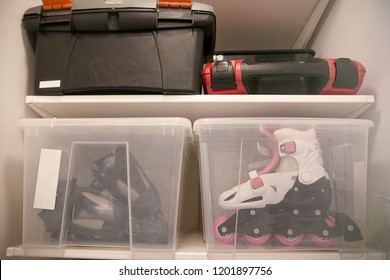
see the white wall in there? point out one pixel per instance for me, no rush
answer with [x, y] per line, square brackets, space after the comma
[359, 29]
[14, 82]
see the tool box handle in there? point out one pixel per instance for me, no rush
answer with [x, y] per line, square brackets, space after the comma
[56, 4]
[314, 68]
[185, 4]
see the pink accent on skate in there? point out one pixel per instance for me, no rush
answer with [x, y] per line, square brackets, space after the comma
[256, 183]
[273, 144]
[321, 242]
[257, 241]
[289, 147]
[290, 242]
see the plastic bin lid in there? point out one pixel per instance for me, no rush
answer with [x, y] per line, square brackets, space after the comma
[77, 122]
[334, 122]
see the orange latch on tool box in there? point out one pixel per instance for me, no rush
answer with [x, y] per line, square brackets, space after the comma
[56, 4]
[185, 4]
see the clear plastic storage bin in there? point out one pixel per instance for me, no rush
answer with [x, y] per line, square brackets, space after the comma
[271, 184]
[107, 183]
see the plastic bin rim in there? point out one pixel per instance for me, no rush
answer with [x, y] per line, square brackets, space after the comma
[77, 122]
[293, 121]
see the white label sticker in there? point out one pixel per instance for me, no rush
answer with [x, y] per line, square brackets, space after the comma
[50, 84]
[47, 180]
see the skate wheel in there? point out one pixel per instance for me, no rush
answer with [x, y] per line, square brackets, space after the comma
[229, 238]
[325, 242]
[290, 241]
[257, 241]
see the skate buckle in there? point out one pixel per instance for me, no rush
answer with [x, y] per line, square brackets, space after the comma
[288, 147]
[255, 180]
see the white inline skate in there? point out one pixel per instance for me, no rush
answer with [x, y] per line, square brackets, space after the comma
[288, 198]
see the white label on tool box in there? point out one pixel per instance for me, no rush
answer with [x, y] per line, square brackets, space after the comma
[50, 84]
[47, 179]
[114, 2]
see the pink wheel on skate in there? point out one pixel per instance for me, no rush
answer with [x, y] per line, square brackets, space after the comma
[289, 241]
[257, 241]
[325, 242]
[229, 238]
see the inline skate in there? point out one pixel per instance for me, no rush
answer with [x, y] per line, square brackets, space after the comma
[289, 198]
[100, 211]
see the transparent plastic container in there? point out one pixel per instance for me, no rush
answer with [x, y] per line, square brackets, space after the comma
[271, 184]
[104, 183]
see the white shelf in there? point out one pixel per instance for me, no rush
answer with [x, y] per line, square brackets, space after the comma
[201, 106]
[192, 247]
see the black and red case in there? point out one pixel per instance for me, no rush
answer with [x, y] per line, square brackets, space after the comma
[282, 72]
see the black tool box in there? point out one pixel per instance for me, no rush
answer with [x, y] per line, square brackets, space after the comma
[281, 72]
[121, 46]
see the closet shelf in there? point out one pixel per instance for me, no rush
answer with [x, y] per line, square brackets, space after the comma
[191, 247]
[194, 107]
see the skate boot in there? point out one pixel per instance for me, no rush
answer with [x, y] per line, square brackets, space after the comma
[288, 198]
[97, 217]
[149, 222]
[94, 216]
[110, 173]
[99, 212]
